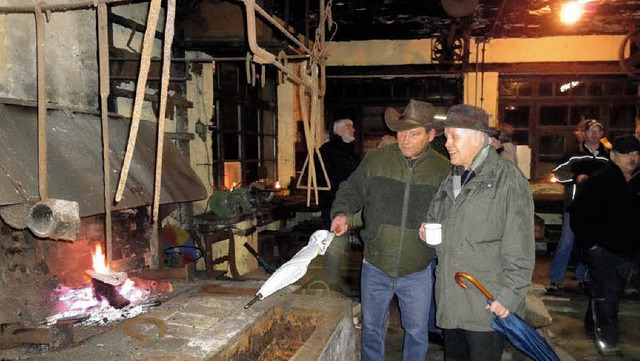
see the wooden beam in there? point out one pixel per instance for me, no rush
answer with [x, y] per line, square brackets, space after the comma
[582, 67]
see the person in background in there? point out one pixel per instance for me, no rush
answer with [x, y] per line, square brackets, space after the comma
[575, 167]
[604, 221]
[393, 187]
[502, 140]
[340, 160]
[637, 130]
[485, 207]
[386, 140]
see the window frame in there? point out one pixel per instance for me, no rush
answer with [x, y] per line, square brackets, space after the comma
[577, 97]
[250, 103]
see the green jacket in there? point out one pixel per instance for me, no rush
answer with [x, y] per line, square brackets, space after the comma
[394, 197]
[488, 233]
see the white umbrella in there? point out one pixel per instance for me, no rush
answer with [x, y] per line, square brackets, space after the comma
[296, 267]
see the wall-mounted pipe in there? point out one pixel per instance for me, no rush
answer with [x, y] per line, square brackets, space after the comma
[260, 55]
[281, 28]
[54, 218]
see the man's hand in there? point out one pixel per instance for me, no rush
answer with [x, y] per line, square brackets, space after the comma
[497, 308]
[340, 224]
[421, 232]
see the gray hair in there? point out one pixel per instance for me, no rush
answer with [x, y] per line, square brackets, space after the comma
[486, 139]
[340, 123]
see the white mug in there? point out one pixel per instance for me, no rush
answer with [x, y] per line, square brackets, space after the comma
[433, 233]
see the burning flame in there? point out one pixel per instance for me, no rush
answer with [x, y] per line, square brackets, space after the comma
[75, 302]
[99, 262]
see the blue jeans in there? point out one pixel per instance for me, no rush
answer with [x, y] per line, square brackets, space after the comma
[433, 328]
[414, 293]
[563, 253]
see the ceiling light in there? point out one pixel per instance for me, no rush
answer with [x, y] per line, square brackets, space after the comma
[571, 12]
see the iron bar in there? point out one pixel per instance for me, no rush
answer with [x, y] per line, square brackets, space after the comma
[62, 7]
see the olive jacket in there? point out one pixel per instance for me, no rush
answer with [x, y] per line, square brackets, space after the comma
[488, 232]
[394, 195]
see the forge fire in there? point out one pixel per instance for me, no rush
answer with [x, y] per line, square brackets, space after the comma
[108, 296]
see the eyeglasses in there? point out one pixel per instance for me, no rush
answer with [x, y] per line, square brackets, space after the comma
[595, 131]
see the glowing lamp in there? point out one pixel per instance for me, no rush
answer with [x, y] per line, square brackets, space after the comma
[571, 12]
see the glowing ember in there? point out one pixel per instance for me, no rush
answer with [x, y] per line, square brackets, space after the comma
[82, 303]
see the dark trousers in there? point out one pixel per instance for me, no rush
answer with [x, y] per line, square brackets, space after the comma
[465, 345]
[608, 275]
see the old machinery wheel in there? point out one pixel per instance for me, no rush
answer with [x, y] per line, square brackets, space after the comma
[630, 64]
[447, 50]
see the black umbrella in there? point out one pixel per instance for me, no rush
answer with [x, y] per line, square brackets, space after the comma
[521, 335]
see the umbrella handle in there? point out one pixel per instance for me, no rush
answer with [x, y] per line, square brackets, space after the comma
[475, 282]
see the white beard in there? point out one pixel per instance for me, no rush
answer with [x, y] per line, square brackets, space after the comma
[348, 138]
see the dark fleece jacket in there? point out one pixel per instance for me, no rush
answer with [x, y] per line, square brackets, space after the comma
[394, 197]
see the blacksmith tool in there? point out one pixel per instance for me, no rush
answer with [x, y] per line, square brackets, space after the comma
[57, 336]
[266, 265]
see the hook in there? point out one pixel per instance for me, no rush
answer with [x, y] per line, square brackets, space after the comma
[475, 282]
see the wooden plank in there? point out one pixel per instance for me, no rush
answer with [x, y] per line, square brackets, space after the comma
[186, 273]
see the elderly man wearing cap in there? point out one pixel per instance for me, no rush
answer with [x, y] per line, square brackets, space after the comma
[393, 186]
[485, 207]
[603, 219]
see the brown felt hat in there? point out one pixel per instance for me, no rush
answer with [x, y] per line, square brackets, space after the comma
[468, 117]
[416, 114]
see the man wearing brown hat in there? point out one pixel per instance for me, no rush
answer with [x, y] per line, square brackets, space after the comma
[603, 219]
[485, 207]
[393, 186]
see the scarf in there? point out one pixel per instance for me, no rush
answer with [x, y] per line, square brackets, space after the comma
[462, 176]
